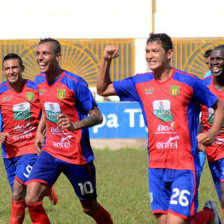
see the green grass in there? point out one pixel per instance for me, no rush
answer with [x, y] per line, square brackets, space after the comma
[122, 186]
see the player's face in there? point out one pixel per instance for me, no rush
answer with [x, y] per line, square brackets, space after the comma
[156, 56]
[207, 61]
[47, 58]
[13, 71]
[217, 62]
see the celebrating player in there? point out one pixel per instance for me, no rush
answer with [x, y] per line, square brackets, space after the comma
[68, 110]
[215, 152]
[20, 114]
[170, 101]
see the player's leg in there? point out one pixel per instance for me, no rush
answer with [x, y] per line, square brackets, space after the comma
[52, 195]
[18, 203]
[83, 180]
[209, 215]
[23, 166]
[183, 201]
[34, 197]
[216, 168]
[222, 199]
[42, 177]
[161, 218]
[159, 192]
[18, 206]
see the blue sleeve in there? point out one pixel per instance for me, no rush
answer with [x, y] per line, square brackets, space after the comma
[203, 94]
[84, 96]
[126, 89]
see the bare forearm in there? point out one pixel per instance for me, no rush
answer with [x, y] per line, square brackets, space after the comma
[87, 122]
[42, 125]
[103, 78]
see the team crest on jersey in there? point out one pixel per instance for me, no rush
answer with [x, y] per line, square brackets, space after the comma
[61, 94]
[174, 90]
[30, 96]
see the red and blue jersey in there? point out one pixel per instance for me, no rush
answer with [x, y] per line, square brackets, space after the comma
[171, 113]
[216, 150]
[20, 115]
[69, 95]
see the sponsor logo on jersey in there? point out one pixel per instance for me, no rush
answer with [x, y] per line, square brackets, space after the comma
[41, 92]
[61, 94]
[30, 96]
[23, 136]
[7, 98]
[149, 90]
[52, 111]
[174, 90]
[65, 136]
[170, 144]
[22, 111]
[162, 110]
[166, 129]
[62, 144]
[211, 115]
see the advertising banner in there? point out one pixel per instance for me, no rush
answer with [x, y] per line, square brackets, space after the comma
[120, 120]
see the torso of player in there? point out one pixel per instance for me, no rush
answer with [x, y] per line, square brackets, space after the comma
[216, 151]
[63, 144]
[20, 112]
[166, 108]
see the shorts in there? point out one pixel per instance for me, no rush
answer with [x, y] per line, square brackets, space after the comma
[173, 191]
[19, 168]
[217, 171]
[82, 177]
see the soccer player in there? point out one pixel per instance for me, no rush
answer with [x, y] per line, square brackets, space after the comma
[68, 111]
[170, 101]
[215, 152]
[207, 56]
[20, 115]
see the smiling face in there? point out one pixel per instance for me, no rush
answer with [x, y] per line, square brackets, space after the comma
[13, 71]
[47, 58]
[156, 56]
[217, 61]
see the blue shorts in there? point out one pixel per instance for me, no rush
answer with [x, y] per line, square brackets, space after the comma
[19, 168]
[173, 191]
[82, 177]
[217, 168]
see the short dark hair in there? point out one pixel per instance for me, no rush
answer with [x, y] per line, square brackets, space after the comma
[163, 38]
[12, 56]
[220, 47]
[56, 43]
[207, 53]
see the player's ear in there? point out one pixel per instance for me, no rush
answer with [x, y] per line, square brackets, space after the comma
[58, 57]
[169, 53]
[23, 68]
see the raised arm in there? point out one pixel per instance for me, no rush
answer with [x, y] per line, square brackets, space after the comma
[104, 84]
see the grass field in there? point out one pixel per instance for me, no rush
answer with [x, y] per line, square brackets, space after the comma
[122, 187]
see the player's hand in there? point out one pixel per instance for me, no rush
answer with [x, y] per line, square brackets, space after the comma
[205, 139]
[65, 123]
[3, 137]
[39, 141]
[110, 52]
[201, 147]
